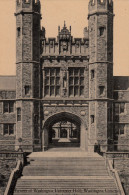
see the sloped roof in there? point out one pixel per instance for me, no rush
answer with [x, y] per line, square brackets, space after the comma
[121, 82]
[7, 82]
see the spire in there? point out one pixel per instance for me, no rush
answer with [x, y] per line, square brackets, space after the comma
[64, 23]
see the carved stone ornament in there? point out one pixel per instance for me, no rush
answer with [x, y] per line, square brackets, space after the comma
[51, 44]
[64, 92]
[65, 74]
[46, 113]
[121, 94]
[20, 140]
[77, 44]
[83, 113]
[64, 45]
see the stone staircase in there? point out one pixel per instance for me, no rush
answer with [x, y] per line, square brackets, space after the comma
[65, 174]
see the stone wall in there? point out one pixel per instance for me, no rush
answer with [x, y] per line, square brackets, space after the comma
[121, 164]
[8, 162]
[6, 166]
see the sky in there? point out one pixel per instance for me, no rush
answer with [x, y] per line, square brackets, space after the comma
[54, 12]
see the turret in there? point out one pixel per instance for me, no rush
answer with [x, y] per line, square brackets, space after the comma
[28, 5]
[100, 6]
[100, 18]
[28, 71]
[86, 33]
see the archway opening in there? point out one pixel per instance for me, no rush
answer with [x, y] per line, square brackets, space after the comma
[62, 130]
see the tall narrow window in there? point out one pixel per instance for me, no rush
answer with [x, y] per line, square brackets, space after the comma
[6, 129]
[52, 82]
[18, 32]
[101, 31]
[11, 107]
[122, 129]
[92, 117]
[27, 90]
[18, 114]
[76, 82]
[122, 107]
[92, 74]
[101, 90]
[6, 107]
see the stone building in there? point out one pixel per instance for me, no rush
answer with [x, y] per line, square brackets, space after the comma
[64, 93]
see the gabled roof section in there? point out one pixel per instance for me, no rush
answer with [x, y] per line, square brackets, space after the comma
[8, 83]
[121, 82]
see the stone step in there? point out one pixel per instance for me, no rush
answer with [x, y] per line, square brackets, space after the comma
[47, 166]
[72, 159]
[79, 163]
[64, 173]
[65, 182]
[67, 167]
[70, 193]
[81, 171]
[82, 190]
[58, 175]
[66, 186]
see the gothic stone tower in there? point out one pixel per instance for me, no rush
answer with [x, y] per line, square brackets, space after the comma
[65, 80]
[101, 69]
[28, 73]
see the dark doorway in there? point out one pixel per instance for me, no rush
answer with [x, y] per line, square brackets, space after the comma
[63, 133]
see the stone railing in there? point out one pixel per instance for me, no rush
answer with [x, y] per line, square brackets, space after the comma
[12, 155]
[114, 173]
[117, 155]
[15, 174]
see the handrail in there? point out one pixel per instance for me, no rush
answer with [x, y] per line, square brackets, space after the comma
[13, 178]
[118, 182]
[114, 173]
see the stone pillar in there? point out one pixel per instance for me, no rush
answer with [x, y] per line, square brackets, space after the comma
[45, 141]
[83, 138]
[68, 133]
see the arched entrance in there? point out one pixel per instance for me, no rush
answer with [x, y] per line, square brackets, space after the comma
[63, 130]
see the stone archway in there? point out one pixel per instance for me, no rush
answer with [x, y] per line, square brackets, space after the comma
[64, 127]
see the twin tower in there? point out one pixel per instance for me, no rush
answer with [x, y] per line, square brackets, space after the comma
[98, 82]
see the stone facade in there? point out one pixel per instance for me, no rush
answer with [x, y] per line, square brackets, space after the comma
[65, 79]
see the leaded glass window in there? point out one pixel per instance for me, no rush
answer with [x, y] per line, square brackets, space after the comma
[52, 82]
[76, 82]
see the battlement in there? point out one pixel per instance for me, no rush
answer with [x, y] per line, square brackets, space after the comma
[100, 5]
[28, 5]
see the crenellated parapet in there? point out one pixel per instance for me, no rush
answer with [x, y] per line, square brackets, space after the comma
[28, 6]
[100, 6]
[65, 44]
